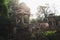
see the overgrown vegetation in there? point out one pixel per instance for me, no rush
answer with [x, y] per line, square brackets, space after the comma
[48, 33]
[10, 29]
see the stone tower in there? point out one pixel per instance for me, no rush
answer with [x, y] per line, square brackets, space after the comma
[23, 10]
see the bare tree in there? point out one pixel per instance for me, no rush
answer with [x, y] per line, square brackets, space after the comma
[43, 10]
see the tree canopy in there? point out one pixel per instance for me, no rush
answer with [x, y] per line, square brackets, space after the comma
[4, 9]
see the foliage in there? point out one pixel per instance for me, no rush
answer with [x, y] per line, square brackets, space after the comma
[4, 21]
[3, 9]
[48, 33]
[54, 36]
[57, 18]
[6, 1]
[33, 21]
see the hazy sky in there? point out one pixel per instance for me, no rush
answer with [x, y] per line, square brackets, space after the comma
[33, 4]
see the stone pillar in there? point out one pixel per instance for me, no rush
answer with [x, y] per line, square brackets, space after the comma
[28, 19]
[22, 19]
[52, 23]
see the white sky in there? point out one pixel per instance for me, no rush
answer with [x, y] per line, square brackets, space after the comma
[33, 4]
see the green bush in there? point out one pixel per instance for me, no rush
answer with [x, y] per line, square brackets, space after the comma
[52, 35]
[48, 33]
